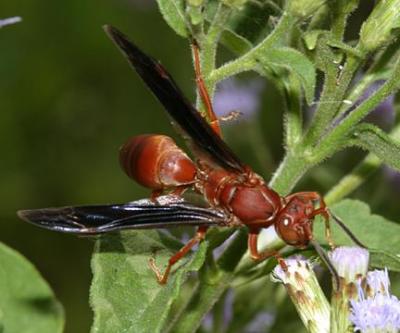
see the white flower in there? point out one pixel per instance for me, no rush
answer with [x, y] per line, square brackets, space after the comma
[303, 288]
[376, 311]
[350, 262]
[378, 282]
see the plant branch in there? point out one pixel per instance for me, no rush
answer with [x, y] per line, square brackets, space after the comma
[329, 144]
[335, 88]
[248, 61]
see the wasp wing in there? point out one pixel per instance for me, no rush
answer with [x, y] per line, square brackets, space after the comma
[142, 214]
[178, 107]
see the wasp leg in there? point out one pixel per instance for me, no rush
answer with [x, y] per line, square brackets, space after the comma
[162, 278]
[258, 256]
[201, 86]
[328, 231]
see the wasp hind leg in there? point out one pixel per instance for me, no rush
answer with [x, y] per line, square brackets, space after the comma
[162, 278]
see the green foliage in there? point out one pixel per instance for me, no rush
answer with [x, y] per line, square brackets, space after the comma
[301, 48]
[125, 295]
[378, 142]
[289, 50]
[174, 13]
[27, 304]
[378, 234]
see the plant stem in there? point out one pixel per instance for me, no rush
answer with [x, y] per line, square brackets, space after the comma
[208, 49]
[294, 165]
[248, 61]
[293, 123]
[354, 179]
[331, 100]
[209, 290]
[202, 301]
[340, 133]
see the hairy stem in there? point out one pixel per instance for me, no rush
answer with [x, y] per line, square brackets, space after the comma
[248, 61]
[331, 99]
[340, 133]
[208, 49]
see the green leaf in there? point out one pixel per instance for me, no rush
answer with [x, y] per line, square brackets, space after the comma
[125, 295]
[279, 60]
[251, 22]
[235, 43]
[27, 304]
[378, 234]
[378, 142]
[173, 12]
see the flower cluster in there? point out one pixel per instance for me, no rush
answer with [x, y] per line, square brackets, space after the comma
[361, 303]
[376, 310]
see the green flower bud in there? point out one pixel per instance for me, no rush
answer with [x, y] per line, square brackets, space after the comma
[378, 29]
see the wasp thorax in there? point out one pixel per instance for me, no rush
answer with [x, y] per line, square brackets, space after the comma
[156, 162]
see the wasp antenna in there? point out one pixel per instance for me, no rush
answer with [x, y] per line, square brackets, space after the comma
[323, 255]
[340, 223]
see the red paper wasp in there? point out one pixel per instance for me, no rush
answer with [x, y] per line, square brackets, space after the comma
[236, 195]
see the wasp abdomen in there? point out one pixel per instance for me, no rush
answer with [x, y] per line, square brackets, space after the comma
[156, 162]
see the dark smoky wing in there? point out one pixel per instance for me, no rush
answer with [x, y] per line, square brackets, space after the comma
[178, 107]
[99, 219]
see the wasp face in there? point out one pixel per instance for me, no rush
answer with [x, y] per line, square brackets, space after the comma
[294, 223]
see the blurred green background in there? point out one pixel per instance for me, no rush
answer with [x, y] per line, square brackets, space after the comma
[68, 100]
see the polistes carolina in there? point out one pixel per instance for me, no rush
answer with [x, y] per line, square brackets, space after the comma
[236, 195]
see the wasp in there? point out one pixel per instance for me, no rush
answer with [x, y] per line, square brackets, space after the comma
[236, 196]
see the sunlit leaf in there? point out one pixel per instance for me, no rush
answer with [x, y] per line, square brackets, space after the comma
[125, 295]
[379, 143]
[173, 12]
[378, 234]
[27, 304]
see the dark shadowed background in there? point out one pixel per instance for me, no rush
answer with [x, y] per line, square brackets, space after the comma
[68, 100]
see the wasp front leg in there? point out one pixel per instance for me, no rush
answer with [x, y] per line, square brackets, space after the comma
[252, 242]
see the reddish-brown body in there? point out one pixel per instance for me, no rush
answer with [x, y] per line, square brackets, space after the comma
[235, 192]
[156, 162]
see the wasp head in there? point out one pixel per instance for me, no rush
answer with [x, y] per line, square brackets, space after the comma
[294, 223]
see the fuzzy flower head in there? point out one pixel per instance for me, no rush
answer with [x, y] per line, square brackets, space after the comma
[302, 285]
[351, 263]
[378, 283]
[376, 311]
